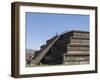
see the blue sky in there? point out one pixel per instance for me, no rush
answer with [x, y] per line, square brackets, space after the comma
[42, 26]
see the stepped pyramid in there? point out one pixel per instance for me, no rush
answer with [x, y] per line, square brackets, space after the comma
[67, 48]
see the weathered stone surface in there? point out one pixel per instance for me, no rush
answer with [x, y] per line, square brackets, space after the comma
[77, 40]
[69, 48]
[76, 58]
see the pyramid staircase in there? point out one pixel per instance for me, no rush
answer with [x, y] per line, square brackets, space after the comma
[43, 52]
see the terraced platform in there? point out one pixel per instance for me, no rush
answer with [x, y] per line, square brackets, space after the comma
[77, 49]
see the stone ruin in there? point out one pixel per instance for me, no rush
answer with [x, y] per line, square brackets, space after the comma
[68, 48]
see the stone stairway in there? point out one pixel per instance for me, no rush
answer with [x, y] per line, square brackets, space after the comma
[45, 50]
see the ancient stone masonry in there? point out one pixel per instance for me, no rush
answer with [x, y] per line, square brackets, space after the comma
[68, 48]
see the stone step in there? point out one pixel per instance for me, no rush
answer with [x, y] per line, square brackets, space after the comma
[75, 40]
[80, 36]
[77, 45]
[83, 34]
[78, 48]
[76, 58]
[76, 63]
[76, 53]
